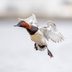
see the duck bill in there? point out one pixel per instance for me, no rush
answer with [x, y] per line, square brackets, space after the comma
[18, 25]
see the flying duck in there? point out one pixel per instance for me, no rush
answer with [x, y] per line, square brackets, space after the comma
[40, 35]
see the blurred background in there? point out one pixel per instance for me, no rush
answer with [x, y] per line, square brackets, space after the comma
[42, 8]
[17, 53]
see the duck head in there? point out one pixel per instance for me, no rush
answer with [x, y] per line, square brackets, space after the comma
[23, 24]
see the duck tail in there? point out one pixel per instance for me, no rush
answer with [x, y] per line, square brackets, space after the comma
[49, 53]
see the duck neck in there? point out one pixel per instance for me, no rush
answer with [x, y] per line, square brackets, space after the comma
[33, 30]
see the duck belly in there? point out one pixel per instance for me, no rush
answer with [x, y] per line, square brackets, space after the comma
[39, 38]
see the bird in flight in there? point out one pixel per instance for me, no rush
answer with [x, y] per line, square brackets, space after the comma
[40, 35]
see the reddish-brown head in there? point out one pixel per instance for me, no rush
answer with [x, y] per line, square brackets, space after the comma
[24, 25]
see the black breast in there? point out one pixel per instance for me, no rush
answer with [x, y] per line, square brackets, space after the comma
[33, 30]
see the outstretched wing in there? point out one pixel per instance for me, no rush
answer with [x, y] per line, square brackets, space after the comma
[34, 19]
[50, 32]
[56, 36]
[31, 20]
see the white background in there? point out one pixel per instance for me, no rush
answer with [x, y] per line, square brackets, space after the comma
[17, 53]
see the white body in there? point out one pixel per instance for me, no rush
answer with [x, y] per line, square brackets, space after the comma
[39, 38]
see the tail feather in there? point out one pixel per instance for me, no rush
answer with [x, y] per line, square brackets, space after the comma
[49, 53]
[38, 47]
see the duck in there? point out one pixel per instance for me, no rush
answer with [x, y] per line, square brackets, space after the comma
[40, 35]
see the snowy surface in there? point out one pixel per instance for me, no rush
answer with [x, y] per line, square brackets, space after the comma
[17, 53]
